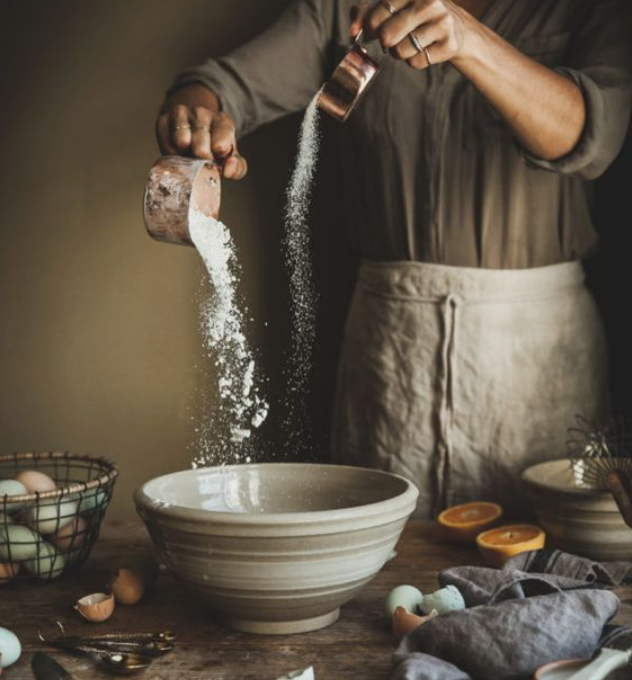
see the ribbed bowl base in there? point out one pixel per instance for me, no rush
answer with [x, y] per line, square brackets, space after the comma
[281, 627]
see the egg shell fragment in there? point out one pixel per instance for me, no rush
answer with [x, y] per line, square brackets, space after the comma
[47, 518]
[96, 607]
[48, 564]
[10, 648]
[404, 622]
[18, 543]
[302, 674]
[36, 481]
[405, 596]
[448, 599]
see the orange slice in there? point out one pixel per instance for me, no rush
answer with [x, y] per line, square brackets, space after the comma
[498, 545]
[463, 523]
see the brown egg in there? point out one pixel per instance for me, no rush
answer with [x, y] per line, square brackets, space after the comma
[96, 608]
[36, 481]
[71, 536]
[404, 621]
[7, 571]
[128, 585]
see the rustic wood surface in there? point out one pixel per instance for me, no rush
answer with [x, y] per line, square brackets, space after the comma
[357, 647]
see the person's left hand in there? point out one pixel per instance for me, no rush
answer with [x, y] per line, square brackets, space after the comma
[436, 25]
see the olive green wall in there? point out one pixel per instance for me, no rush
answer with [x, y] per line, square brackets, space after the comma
[99, 350]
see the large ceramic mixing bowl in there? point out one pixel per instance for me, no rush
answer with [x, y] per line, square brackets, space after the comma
[276, 547]
[578, 519]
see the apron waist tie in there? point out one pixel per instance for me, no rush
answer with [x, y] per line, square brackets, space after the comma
[450, 307]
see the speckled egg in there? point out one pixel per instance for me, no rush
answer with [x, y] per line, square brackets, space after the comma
[48, 564]
[405, 596]
[18, 543]
[10, 647]
[36, 481]
[448, 599]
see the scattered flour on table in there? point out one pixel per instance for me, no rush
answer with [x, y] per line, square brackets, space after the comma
[297, 242]
[225, 433]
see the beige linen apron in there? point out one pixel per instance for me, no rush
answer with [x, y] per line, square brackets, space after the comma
[459, 378]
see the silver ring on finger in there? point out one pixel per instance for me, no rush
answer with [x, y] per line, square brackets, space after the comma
[181, 127]
[387, 5]
[419, 47]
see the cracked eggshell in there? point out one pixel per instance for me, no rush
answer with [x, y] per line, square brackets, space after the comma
[405, 596]
[96, 607]
[404, 622]
[18, 543]
[302, 674]
[448, 599]
[48, 563]
[10, 648]
[47, 518]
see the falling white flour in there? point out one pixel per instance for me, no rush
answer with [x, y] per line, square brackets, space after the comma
[224, 435]
[226, 430]
[303, 295]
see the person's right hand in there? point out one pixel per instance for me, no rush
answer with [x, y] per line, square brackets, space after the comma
[191, 124]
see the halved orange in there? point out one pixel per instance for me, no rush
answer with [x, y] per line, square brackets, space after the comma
[498, 545]
[463, 523]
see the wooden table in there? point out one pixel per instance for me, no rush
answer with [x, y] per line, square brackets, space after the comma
[357, 647]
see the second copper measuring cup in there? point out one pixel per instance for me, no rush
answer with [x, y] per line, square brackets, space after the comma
[342, 92]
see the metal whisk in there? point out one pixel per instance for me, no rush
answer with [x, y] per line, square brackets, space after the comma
[601, 456]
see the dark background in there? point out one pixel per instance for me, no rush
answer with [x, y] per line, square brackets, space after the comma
[99, 350]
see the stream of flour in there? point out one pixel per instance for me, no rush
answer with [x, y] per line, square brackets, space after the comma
[227, 431]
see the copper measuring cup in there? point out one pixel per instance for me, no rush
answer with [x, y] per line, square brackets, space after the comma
[342, 92]
[174, 186]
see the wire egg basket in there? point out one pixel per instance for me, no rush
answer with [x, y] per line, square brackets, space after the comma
[49, 533]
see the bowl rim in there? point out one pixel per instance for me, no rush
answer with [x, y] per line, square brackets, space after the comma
[408, 496]
[527, 478]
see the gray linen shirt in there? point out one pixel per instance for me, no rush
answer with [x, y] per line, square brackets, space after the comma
[433, 173]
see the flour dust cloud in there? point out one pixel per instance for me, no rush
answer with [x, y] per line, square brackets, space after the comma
[226, 433]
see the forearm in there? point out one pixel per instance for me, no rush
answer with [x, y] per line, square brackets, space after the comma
[545, 110]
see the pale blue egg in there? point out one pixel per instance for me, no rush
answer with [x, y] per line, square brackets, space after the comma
[448, 599]
[47, 518]
[48, 564]
[408, 597]
[11, 487]
[10, 647]
[18, 543]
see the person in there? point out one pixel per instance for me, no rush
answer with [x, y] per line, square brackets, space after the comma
[471, 341]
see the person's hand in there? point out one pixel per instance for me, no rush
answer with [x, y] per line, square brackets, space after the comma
[436, 26]
[191, 124]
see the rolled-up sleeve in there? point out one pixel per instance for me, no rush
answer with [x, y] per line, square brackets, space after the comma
[275, 74]
[600, 63]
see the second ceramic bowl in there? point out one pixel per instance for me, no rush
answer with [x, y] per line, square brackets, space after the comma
[576, 518]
